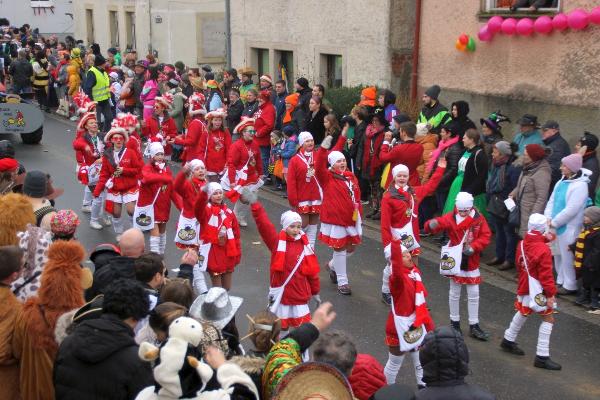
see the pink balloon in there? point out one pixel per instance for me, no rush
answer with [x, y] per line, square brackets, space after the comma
[509, 26]
[560, 22]
[484, 34]
[578, 20]
[495, 24]
[595, 16]
[525, 27]
[543, 25]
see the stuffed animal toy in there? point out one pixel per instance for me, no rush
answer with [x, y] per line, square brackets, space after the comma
[16, 213]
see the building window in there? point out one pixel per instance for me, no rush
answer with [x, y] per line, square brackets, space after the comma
[504, 5]
[130, 29]
[260, 61]
[42, 3]
[331, 70]
[113, 20]
[285, 67]
[89, 25]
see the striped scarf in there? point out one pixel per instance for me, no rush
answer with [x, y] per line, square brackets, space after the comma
[221, 217]
[580, 245]
[309, 266]
[236, 191]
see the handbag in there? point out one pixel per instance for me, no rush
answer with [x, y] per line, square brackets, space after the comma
[514, 215]
[278, 169]
[497, 208]
[143, 216]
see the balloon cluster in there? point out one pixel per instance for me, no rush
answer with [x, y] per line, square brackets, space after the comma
[465, 43]
[576, 20]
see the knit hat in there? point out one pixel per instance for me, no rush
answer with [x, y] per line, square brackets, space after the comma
[464, 201]
[84, 120]
[535, 152]
[8, 164]
[369, 92]
[290, 130]
[537, 222]
[399, 168]
[206, 68]
[244, 123]
[303, 137]
[593, 213]
[99, 60]
[154, 148]
[212, 84]
[334, 157]
[116, 131]
[266, 78]
[573, 162]
[195, 163]
[289, 217]
[590, 140]
[64, 223]
[503, 147]
[35, 184]
[75, 52]
[179, 65]
[265, 95]
[213, 187]
[433, 91]
[302, 82]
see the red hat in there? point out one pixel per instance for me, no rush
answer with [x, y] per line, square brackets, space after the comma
[116, 131]
[244, 123]
[265, 95]
[166, 100]
[84, 120]
[8, 164]
[535, 152]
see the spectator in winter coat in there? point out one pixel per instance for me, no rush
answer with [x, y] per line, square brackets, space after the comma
[445, 360]
[558, 148]
[315, 119]
[533, 185]
[587, 146]
[264, 122]
[528, 132]
[368, 98]
[387, 100]
[318, 90]
[491, 131]
[230, 81]
[428, 140]
[213, 99]
[279, 103]
[302, 109]
[367, 377]
[356, 148]
[235, 109]
[433, 112]
[291, 116]
[100, 358]
[587, 260]
[372, 166]
[460, 117]
[179, 100]
[252, 104]
[246, 83]
[408, 152]
[21, 72]
[138, 86]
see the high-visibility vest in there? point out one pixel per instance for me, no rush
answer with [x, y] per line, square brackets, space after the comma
[101, 90]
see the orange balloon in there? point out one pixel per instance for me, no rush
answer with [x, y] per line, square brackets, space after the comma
[459, 46]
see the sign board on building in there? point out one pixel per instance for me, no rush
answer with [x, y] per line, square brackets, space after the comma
[210, 37]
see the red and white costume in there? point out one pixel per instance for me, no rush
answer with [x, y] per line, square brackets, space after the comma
[408, 309]
[157, 182]
[214, 146]
[305, 193]
[160, 130]
[188, 228]
[341, 209]
[539, 265]
[292, 307]
[219, 228]
[197, 106]
[130, 123]
[192, 140]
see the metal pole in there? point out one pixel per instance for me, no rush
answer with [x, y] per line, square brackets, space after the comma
[228, 31]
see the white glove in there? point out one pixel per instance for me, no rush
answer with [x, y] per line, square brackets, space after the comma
[326, 143]
[249, 196]
[317, 299]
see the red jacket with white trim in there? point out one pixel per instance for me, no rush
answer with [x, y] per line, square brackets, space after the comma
[298, 189]
[84, 149]
[237, 157]
[539, 263]
[264, 123]
[188, 190]
[168, 129]
[153, 181]
[395, 205]
[213, 148]
[302, 286]
[191, 141]
[128, 179]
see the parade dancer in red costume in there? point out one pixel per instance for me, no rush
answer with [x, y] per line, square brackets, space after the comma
[214, 145]
[535, 289]
[341, 210]
[119, 175]
[161, 127]
[156, 193]
[409, 319]
[294, 267]
[130, 123]
[220, 247]
[192, 139]
[400, 216]
[469, 235]
[305, 193]
[244, 168]
[188, 184]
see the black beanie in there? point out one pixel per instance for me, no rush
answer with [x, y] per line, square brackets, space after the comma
[99, 60]
[35, 184]
[590, 140]
[302, 82]
[433, 92]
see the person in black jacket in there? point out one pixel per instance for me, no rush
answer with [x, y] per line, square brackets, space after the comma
[302, 109]
[251, 103]
[587, 148]
[460, 111]
[315, 119]
[445, 360]
[356, 147]
[452, 149]
[491, 131]
[557, 148]
[99, 360]
[234, 110]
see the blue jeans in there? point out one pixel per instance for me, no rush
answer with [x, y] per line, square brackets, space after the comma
[265, 154]
[506, 239]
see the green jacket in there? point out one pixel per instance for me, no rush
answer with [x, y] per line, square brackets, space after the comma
[435, 116]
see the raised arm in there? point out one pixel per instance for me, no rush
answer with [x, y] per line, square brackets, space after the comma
[265, 226]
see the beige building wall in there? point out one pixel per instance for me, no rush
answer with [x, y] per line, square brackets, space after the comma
[188, 30]
[358, 30]
[554, 76]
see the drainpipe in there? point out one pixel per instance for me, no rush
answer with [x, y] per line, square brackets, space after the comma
[415, 55]
[228, 31]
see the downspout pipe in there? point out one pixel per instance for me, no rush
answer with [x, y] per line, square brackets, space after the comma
[415, 55]
[228, 31]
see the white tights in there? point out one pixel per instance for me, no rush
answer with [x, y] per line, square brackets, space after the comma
[392, 367]
[472, 305]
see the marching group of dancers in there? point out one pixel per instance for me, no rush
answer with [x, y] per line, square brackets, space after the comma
[321, 189]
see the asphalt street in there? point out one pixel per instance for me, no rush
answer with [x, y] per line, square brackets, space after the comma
[575, 338]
